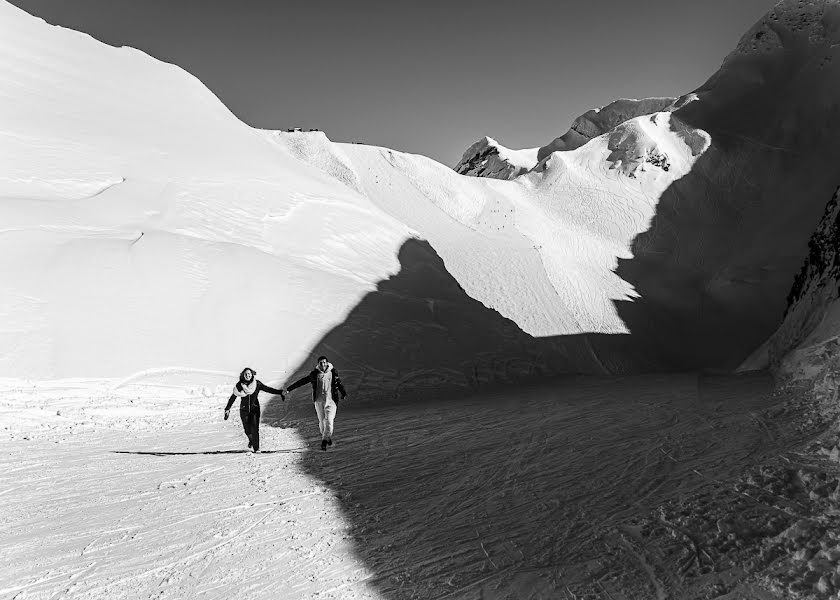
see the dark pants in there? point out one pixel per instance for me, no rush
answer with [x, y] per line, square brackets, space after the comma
[251, 423]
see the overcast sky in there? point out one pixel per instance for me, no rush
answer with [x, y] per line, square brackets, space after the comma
[425, 77]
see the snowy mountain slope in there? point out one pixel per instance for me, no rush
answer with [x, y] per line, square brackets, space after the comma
[488, 158]
[161, 232]
[143, 226]
[540, 250]
[599, 121]
[804, 349]
[728, 238]
[712, 270]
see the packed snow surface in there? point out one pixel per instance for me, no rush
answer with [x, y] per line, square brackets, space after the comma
[135, 489]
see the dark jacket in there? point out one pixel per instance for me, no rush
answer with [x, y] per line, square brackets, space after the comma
[252, 400]
[311, 378]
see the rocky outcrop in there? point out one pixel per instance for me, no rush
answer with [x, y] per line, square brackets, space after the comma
[807, 344]
[488, 158]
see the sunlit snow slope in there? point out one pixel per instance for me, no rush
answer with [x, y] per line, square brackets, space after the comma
[145, 228]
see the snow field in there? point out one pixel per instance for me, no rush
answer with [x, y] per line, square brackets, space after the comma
[434, 498]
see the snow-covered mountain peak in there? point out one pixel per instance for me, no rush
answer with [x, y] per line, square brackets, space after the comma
[599, 121]
[488, 158]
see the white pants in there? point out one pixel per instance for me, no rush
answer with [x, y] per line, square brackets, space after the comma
[326, 416]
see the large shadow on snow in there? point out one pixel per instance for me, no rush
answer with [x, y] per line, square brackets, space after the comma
[717, 262]
[420, 333]
[452, 477]
[409, 350]
[712, 273]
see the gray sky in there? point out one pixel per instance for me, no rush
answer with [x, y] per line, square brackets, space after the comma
[424, 77]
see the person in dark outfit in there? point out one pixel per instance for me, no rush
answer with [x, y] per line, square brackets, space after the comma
[327, 390]
[248, 389]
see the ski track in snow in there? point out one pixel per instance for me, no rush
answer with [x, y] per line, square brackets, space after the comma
[509, 494]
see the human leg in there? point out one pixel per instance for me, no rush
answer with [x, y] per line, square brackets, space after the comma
[319, 410]
[255, 428]
[246, 425]
[330, 409]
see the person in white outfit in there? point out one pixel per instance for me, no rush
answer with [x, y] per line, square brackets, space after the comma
[327, 390]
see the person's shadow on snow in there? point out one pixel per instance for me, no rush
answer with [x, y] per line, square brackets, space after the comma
[207, 452]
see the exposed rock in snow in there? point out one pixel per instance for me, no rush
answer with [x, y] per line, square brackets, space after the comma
[488, 158]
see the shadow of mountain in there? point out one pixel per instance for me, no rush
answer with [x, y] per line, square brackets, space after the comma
[458, 482]
[420, 333]
[714, 268]
[453, 471]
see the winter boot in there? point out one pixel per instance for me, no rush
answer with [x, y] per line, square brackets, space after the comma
[323, 444]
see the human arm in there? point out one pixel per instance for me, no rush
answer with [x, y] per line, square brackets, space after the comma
[338, 385]
[302, 381]
[261, 387]
[229, 404]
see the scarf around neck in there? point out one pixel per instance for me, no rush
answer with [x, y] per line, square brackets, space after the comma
[247, 388]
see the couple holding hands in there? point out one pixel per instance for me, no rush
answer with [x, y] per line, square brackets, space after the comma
[327, 390]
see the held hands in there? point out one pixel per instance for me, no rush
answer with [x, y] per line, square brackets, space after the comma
[283, 393]
[227, 413]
